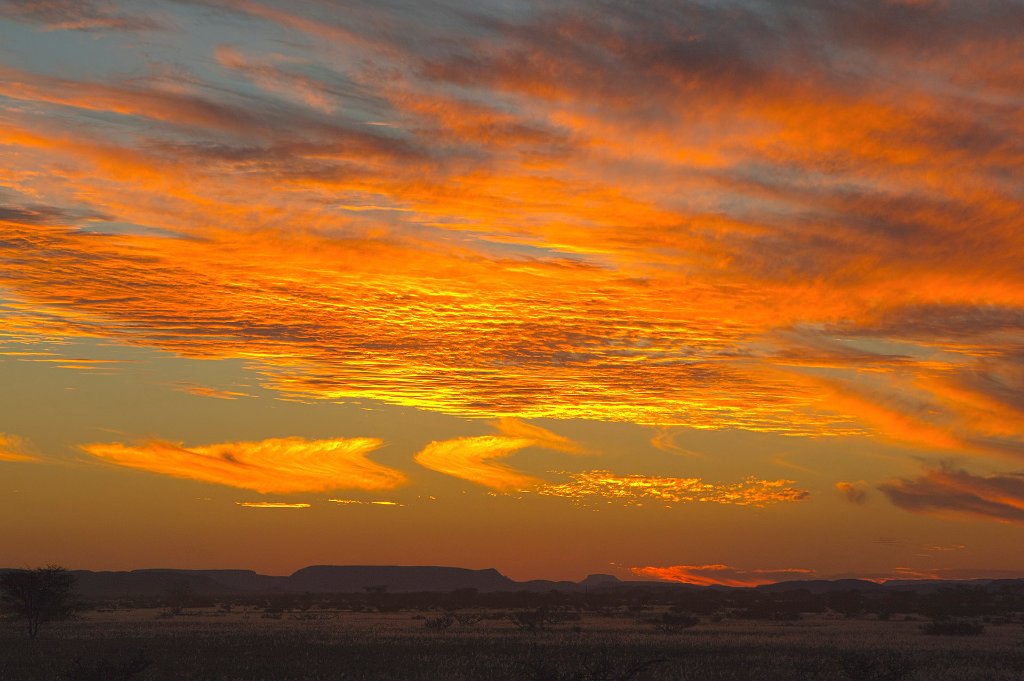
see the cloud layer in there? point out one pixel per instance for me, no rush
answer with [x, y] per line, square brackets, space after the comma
[795, 218]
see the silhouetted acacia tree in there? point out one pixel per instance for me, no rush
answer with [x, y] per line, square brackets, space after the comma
[38, 595]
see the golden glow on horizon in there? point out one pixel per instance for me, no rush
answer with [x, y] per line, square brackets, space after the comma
[721, 575]
[279, 465]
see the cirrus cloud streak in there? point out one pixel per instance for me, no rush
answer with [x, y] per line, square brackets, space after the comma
[13, 448]
[278, 465]
[591, 487]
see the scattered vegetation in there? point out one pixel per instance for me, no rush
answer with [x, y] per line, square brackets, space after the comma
[638, 634]
[106, 670]
[673, 622]
[38, 595]
[603, 667]
[954, 627]
[440, 623]
[884, 665]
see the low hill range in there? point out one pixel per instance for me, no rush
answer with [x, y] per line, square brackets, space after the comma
[333, 579]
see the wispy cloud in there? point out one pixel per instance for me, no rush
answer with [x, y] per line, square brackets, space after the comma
[206, 391]
[539, 437]
[77, 15]
[472, 458]
[280, 465]
[593, 487]
[721, 575]
[854, 492]
[956, 492]
[14, 448]
[272, 504]
[727, 575]
[268, 74]
[357, 502]
[665, 440]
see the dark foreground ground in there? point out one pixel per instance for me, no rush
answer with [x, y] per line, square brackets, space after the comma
[331, 645]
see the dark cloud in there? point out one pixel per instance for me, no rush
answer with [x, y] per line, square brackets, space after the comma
[77, 15]
[932, 321]
[954, 491]
[17, 209]
[854, 492]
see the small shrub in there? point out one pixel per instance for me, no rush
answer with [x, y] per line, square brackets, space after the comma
[105, 670]
[468, 619]
[601, 668]
[673, 622]
[954, 627]
[877, 666]
[533, 620]
[439, 623]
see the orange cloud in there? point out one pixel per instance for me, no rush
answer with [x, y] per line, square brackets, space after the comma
[604, 486]
[280, 465]
[664, 439]
[470, 458]
[854, 492]
[271, 504]
[721, 575]
[540, 437]
[269, 76]
[206, 391]
[13, 448]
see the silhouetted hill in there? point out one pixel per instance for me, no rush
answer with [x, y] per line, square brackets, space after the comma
[160, 582]
[327, 579]
[823, 586]
[598, 580]
[395, 578]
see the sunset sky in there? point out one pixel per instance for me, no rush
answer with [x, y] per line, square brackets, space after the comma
[718, 291]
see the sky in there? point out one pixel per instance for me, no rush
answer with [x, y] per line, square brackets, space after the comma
[712, 291]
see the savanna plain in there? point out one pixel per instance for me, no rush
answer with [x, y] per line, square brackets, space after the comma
[332, 641]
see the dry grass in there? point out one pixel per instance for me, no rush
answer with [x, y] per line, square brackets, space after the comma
[321, 645]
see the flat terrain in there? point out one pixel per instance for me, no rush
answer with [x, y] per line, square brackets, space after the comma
[246, 645]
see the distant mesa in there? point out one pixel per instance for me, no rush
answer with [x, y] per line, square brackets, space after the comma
[598, 580]
[396, 578]
[326, 579]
